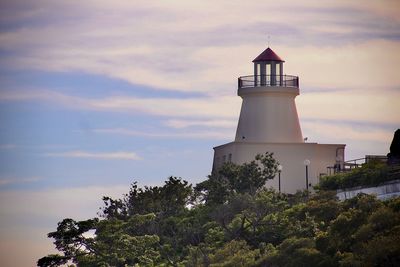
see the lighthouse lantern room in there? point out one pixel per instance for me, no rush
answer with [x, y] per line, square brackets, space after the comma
[268, 68]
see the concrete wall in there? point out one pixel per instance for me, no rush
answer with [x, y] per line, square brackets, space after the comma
[385, 191]
[290, 155]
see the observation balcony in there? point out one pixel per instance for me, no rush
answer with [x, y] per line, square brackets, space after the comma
[268, 80]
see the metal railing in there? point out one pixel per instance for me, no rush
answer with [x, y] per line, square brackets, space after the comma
[268, 80]
[353, 164]
[356, 163]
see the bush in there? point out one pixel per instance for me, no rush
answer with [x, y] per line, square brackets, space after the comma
[372, 173]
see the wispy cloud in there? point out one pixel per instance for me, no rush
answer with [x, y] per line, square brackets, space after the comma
[347, 132]
[18, 180]
[200, 134]
[7, 146]
[201, 107]
[346, 105]
[179, 124]
[97, 155]
[204, 56]
[375, 107]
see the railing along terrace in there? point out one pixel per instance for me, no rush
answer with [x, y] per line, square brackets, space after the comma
[268, 80]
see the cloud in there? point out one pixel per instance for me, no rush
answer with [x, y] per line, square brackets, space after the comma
[371, 106]
[346, 131]
[195, 107]
[206, 55]
[17, 180]
[179, 124]
[360, 139]
[367, 66]
[374, 107]
[7, 146]
[96, 155]
[200, 134]
[200, 107]
[370, 64]
[76, 202]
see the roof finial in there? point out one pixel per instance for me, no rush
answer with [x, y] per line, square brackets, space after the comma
[268, 40]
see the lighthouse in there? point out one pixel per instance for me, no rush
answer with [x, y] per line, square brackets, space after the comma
[268, 111]
[269, 122]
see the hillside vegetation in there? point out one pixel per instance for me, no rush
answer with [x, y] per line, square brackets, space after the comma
[372, 173]
[231, 220]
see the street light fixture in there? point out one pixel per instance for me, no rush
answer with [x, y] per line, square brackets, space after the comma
[306, 163]
[338, 164]
[279, 176]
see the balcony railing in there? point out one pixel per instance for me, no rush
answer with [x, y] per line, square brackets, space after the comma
[268, 80]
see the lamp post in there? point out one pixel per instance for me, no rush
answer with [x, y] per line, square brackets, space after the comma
[306, 163]
[338, 164]
[279, 176]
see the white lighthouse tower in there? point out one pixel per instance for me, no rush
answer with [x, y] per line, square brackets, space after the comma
[269, 122]
[268, 111]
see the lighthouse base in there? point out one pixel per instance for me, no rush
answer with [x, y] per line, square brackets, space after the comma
[322, 157]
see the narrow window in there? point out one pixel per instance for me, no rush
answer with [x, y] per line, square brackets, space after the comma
[278, 73]
[230, 157]
[268, 69]
[257, 78]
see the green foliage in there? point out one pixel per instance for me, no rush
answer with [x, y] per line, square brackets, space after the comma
[53, 260]
[372, 173]
[170, 199]
[234, 253]
[231, 220]
[298, 252]
[233, 179]
[70, 239]
[112, 245]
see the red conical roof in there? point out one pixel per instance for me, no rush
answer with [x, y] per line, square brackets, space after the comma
[268, 55]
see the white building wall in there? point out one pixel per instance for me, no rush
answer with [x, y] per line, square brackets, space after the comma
[290, 155]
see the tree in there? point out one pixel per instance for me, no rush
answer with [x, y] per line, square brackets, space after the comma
[70, 239]
[235, 253]
[231, 219]
[233, 179]
[111, 243]
[169, 199]
[297, 252]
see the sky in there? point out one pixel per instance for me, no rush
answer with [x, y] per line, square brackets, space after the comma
[95, 95]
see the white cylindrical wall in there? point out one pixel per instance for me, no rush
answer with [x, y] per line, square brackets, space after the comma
[269, 115]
